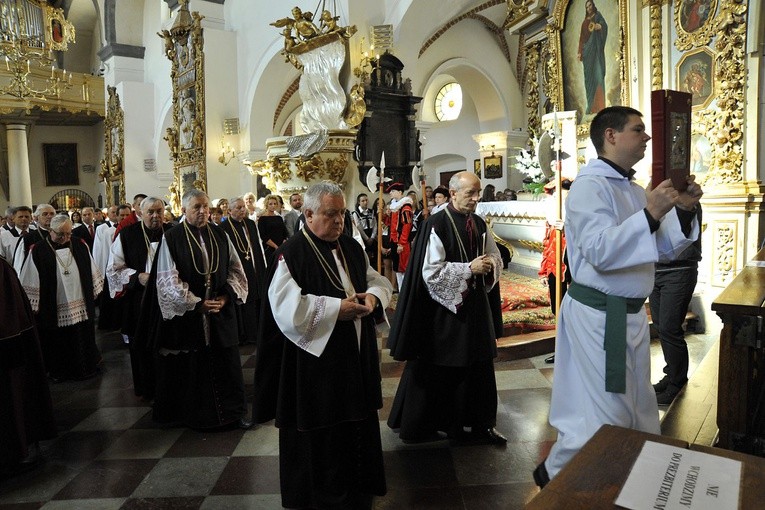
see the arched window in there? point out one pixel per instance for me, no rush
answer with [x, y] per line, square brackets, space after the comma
[449, 102]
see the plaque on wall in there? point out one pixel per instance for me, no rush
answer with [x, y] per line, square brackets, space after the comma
[671, 125]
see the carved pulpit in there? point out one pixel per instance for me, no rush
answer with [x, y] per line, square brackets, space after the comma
[389, 123]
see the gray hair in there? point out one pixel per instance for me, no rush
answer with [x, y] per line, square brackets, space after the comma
[234, 199]
[149, 201]
[191, 194]
[42, 207]
[459, 179]
[314, 194]
[59, 220]
[248, 194]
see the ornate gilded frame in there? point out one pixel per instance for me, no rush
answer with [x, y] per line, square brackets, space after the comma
[187, 140]
[700, 35]
[561, 20]
[58, 31]
[704, 59]
[112, 169]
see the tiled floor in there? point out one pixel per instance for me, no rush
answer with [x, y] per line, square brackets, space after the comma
[110, 455]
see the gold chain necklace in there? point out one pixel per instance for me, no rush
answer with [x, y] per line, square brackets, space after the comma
[214, 252]
[149, 250]
[242, 244]
[334, 279]
[463, 252]
[71, 257]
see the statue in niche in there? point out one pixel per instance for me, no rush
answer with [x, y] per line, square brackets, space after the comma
[187, 122]
[171, 137]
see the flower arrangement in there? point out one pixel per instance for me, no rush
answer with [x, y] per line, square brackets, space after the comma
[528, 164]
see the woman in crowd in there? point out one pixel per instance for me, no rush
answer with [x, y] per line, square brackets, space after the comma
[271, 227]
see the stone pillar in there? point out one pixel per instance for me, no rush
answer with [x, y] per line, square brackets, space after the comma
[20, 183]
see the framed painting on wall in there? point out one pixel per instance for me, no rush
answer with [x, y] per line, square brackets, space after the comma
[695, 75]
[477, 167]
[492, 167]
[592, 56]
[60, 162]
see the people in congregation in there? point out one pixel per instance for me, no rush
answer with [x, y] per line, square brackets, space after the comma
[87, 228]
[488, 193]
[317, 372]
[9, 238]
[249, 201]
[8, 218]
[27, 412]
[616, 232]
[417, 216]
[673, 288]
[291, 217]
[62, 282]
[448, 386]
[194, 335]
[42, 217]
[127, 273]
[366, 224]
[216, 215]
[221, 204]
[134, 216]
[441, 198]
[271, 226]
[76, 218]
[244, 237]
[401, 217]
[109, 315]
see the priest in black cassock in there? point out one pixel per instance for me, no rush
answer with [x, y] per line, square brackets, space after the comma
[245, 239]
[62, 281]
[317, 370]
[127, 273]
[199, 279]
[42, 216]
[27, 411]
[444, 327]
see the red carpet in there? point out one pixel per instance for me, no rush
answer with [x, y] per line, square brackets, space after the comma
[525, 305]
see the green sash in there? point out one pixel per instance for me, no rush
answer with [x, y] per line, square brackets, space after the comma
[615, 341]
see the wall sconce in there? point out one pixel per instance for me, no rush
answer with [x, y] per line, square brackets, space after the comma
[227, 152]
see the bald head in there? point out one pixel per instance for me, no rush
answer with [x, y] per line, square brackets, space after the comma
[465, 189]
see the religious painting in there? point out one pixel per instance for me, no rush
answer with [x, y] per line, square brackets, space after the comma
[60, 160]
[702, 155]
[593, 57]
[695, 74]
[492, 167]
[58, 31]
[694, 22]
[477, 167]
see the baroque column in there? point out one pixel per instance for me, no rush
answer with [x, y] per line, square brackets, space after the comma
[20, 184]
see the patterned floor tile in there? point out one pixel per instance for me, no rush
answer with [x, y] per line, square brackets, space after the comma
[181, 477]
[107, 479]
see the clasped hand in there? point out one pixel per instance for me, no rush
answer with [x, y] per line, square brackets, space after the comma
[481, 265]
[213, 305]
[351, 308]
[664, 197]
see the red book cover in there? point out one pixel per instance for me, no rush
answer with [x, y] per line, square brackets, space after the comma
[671, 126]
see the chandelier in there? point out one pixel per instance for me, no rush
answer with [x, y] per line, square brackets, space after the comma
[30, 32]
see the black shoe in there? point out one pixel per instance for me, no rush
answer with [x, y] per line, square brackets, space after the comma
[244, 424]
[487, 436]
[666, 397]
[550, 359]
[541, 478]
[660, 386]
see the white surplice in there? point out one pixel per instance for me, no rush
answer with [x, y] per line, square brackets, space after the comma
[610, 248]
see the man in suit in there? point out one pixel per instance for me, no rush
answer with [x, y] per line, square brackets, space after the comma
[87, 230]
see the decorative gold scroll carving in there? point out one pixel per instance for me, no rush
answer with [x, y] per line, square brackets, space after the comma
[112, 169]
[699, 36]
[516, 11]
[531, 80]
[657, 74]
[184, 47]
[727, 119]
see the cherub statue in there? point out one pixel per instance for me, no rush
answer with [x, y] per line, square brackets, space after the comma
[329, 23]
[199, 135]
[169, 44]
[171, 137]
